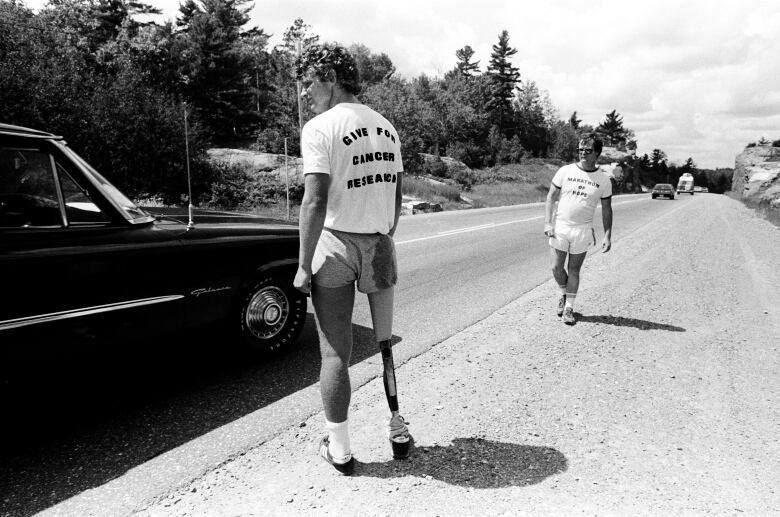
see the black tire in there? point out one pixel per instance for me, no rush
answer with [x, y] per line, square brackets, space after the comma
[271, 315]
[654, 196]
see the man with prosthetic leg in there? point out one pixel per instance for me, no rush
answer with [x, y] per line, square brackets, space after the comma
[349, 214]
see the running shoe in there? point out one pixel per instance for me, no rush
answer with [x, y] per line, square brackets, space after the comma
[400, 439]
[561, 305]
[568, 316]
[346, 468]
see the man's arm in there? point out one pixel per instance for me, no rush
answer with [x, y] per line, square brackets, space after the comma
[552, 196]
[312, 219]
[398, 199]
[606, 220]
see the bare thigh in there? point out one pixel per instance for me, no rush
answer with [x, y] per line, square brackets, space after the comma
[333, 310]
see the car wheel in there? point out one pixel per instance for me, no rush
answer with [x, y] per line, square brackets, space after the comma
[271, 314]
[653, 197]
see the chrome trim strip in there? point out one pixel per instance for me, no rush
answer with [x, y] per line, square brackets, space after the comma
[87, 311]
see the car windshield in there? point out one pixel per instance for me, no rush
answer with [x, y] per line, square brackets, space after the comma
[128, 207]
[663, 186]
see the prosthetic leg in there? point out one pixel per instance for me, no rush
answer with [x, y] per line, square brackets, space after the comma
[400, 439]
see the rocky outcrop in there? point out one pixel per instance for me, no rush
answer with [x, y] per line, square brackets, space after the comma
[261, 163]
[757, 177]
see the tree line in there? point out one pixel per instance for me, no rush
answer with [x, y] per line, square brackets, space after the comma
[118, 89]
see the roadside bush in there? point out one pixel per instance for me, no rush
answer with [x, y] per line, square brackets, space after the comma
[231, 187]
[776, 143]
[236, 187]
[436, 167]
[470, 154]
[465, 178]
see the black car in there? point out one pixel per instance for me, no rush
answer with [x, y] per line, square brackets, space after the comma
[80, 263]
[663, 189]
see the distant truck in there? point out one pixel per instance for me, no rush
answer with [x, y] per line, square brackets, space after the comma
[685, 185]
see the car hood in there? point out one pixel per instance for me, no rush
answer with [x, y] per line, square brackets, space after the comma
[222, 222]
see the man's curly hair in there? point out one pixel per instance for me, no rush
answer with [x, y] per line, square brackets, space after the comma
[595, 139]
[321, 59]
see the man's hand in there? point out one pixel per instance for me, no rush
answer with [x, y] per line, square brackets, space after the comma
[548, 230]
[302, 280]
[606, 244]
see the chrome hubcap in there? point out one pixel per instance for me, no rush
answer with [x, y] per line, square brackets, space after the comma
[267, 312]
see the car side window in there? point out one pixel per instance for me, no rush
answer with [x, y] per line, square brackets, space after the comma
[28, 192]
[79, 207]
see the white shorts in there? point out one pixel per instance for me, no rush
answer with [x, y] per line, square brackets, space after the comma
[573, 239]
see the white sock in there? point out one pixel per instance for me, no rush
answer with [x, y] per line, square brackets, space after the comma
[563, 289]
[338, 436]
[570, 300]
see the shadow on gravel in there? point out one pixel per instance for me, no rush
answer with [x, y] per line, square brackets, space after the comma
[80, 420]
[475, 463]
[620, 321]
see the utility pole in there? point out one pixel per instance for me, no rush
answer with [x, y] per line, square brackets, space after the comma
[190, 222]
[298, 94]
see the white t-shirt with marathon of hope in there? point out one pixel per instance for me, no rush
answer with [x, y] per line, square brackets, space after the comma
[361, 152]
[581, 192]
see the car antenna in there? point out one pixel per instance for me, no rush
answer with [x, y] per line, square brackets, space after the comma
[190, 222]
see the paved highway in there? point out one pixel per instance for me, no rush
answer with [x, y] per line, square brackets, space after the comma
[180, 408]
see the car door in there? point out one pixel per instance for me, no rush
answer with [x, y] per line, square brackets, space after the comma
[74, 273]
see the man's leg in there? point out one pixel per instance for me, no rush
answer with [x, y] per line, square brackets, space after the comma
[558, 259]
[572, 286]
[333, 310]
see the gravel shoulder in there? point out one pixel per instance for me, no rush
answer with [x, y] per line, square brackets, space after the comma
[662, 400]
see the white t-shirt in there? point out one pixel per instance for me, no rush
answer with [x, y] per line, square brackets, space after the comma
[581, 192]
[361, 152]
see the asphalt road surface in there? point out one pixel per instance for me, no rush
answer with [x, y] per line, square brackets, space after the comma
[662, 399]
[80, 423]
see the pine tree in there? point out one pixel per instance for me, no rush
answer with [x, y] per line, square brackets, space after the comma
[218, 74]
[612, 128]
[464, 65]
[574, 121]
[503, 78]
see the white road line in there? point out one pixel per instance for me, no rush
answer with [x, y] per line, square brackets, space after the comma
[490, 225]
[468, 229]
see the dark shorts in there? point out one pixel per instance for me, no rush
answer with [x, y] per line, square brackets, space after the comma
[342, 258]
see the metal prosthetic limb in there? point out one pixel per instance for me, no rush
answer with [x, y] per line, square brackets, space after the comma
[399, 434]
[389, 375]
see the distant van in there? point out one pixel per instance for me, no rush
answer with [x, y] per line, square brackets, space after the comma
[685, 185]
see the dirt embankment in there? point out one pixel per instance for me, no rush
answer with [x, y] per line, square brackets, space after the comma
[664, 399]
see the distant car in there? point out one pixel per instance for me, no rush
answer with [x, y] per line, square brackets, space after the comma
[663, 189]
[80, 263]
[705, 189]
[698, 189]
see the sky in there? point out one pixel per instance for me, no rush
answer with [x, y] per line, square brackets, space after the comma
[694, 78]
